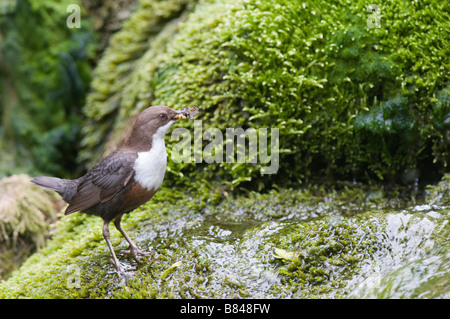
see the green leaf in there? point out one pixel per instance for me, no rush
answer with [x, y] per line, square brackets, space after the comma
[171, 269]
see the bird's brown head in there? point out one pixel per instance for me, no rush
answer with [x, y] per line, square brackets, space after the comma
[153, 121]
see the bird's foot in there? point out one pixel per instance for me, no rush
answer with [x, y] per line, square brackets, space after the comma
[121, 268]
[135, 252]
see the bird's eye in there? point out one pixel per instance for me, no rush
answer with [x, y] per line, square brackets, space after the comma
[162, 115]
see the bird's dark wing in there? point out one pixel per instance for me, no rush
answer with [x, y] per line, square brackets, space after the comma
[103, 181]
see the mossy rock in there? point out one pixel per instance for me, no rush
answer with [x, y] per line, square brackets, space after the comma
[350, 101]
[285, 244]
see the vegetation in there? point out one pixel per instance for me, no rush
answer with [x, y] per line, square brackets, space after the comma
[26, 213]
[356, 107]
[351, 102]
[45, 73]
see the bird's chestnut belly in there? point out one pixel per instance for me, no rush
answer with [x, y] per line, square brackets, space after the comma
[130, 198]
[135, 197]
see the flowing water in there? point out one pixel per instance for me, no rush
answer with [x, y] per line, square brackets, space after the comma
[270, 251]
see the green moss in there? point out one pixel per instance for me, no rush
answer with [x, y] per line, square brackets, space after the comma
[121, 80]
[329, 252]
[350, 102]
[440, 194]
[227, 250]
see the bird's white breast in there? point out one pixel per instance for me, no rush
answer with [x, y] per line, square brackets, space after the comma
[150, 166]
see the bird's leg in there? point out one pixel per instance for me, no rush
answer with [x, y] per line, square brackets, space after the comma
[134, 250]
[108, 242]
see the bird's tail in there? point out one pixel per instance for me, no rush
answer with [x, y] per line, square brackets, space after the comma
[47, 182]
[61, 186]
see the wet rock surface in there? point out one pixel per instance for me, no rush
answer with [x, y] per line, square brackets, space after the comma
[286, 244]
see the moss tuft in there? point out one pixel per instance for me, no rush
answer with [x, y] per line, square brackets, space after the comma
[26, 213]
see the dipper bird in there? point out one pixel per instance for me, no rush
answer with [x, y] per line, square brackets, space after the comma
[123, 180]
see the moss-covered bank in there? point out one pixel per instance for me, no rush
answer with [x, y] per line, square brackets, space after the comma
[294, 244]
[351, 102]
